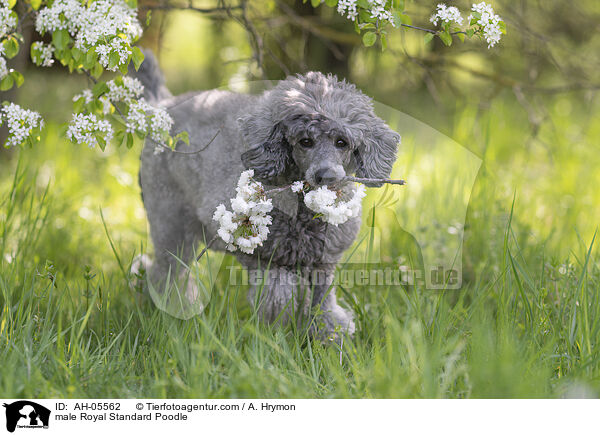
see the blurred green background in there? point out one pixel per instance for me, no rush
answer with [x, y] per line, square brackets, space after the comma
[527, 320]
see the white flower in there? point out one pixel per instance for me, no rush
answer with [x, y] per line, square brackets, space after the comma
[348, 9]
[8, 19]
[20, 123]
[160, 125]
[130, 89]
[378, 11]
[136, 116]
[45, 52]
[84, 129]
[446, 14]
[106, 104]
[333, 209]
[240, 205]
[110, 26]
[297, 186]
[246, 227]
[86, 95]
[489, 22]
[4, 70]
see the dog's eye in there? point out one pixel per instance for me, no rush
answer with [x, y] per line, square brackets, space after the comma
[306, 142]
[341, 143]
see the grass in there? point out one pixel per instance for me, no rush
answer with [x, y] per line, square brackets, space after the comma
[525, 324]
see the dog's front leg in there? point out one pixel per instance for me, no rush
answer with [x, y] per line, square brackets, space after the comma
[331, 321]
[279, 294]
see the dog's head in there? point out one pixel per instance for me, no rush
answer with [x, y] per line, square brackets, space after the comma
[317, 128]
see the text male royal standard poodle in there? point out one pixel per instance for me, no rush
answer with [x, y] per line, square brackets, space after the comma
[309, 127]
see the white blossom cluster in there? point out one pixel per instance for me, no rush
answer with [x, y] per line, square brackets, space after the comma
[490, 23]
[297, 186]
[110, 26]
[379, 11]
[140, 117]
[86, 95]
[84, 128]
[8, 19]
[247, 226]
[147, 119]
[45, 52]
[446, 14]
[331, 207]
[130, 90]
[20, 123]
[349, 10]
[3, 68]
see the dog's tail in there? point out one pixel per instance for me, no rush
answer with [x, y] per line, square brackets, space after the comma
[151, 77]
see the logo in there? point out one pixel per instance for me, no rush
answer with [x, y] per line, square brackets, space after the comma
[26, 414]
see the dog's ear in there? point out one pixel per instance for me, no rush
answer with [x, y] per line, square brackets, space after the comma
[269, 153]
[270, 158]
[376, 153]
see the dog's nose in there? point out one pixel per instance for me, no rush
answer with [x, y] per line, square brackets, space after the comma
[326, 176]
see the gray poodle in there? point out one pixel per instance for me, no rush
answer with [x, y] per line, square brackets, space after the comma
[309, 127]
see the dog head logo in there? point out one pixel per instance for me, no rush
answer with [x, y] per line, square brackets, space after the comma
[26, 414]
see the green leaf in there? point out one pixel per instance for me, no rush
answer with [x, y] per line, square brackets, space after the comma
[137, 56]
[11, 47]
[383, 42]
[148, 18]
[63, 55]
[461, 36]
[364, 16]
[129, 140]
[446, 38]
[315, 3]
[183, 136]
[97, 70]
[6, 83]
[77, 54]
[502, 26]
[369, 38]
[101, 141]
[113, 60]
[405, 19]
[35, 4]
[363, 4]
[331, 3]
[18, 78]
[99, 89]
[428, 37]
[61, 39]
[123, 68]
[78, 105]
[470, 32]
[120, 137]
[11, 3]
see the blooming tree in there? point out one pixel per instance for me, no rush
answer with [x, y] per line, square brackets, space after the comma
[373, 18]
[93, 36]
[87, 37]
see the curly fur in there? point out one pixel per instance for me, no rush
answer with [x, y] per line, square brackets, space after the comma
[265, 133]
